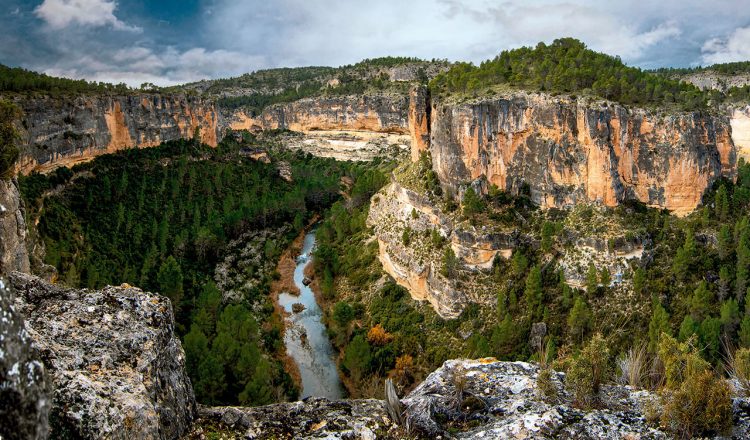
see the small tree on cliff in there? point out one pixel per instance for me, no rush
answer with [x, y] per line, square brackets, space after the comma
[472, 203]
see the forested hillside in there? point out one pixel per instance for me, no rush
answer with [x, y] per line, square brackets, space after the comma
[201, 226]
[567, 66]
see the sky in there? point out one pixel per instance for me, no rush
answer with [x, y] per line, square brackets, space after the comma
[169, 42]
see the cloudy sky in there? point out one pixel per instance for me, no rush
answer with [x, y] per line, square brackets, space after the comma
[175, 41]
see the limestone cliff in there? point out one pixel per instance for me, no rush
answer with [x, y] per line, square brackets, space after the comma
[376, 113]
[568, 150]
[70, 130]
[117, 368]
[13, 253]
[740, 121]
[417, 265]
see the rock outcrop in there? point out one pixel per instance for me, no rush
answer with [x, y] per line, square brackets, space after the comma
[385, 113]
[70, 130]
[740, 120]
[13, 253]
[568, 150]
[501, 400]
[313, 417]
[417, 265]
[24, 385]
[116, 366]
[463, 399]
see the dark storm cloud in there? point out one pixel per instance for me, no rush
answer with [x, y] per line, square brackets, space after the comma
[171, 41]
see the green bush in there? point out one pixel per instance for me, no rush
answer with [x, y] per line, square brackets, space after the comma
[587, 372]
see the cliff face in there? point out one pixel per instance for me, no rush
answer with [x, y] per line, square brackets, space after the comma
[13, 253]
[417, 266]
[568, 151]
[740, 122]
[117, 368]
[419, 120]
[66, 131]
[375, 113]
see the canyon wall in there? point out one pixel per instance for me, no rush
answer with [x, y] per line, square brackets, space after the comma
[568, 151]
[67, 131]
[375, 113]
[740, 120]
[13, 253]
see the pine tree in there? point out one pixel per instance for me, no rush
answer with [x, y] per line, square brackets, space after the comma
[725, 242]
[548, 231]
[533, 292]
[659, 324]
[579, 320]
[472, 204]
[721, 203]
[170, 281]
[688, 328]
[503, 337]
[357, 357]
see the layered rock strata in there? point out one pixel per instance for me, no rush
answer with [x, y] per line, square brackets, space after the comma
[70, 130]
[567, 151]
[417, 265]
[373, 113]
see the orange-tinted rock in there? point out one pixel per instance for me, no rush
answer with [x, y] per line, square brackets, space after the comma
[67, 131]
[419, 120]
[568, 151]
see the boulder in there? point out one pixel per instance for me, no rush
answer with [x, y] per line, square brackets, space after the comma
[117, 368]
[24, 385]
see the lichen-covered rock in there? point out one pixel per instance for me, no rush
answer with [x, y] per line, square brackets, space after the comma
[313, 417]
[13, 253]
[568, 151]
[116, 365]
[24, 386]
[502, 400]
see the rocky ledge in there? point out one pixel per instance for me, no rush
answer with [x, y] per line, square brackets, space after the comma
[463, 399]
[117, 368]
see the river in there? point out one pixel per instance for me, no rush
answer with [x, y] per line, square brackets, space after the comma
[313, 354]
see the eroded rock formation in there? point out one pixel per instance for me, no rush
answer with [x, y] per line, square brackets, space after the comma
[568, 151]
[70, 130]
[374, 113]
[116, 365]
[13, 253]
[417, 265]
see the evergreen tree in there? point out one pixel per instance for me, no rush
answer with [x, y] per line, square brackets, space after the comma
[688, 328]
[533, 293]
[659, 324]
[721, 203]
[450, 263]
[357, 357]
[548, 231]
[503, 337]
[211, 383]
[170, 281]
[700, 302]
[9, 152]
[725, 245]
[579, 320]
[472, 204]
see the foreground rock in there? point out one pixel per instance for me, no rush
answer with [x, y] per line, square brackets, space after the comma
[310, 418]
[24, 386]
[116, 365]
[464, 399]
[501, 400]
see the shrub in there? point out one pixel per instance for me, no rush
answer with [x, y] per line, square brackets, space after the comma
[378, 336]
[702, 405]
[546, 385]
[695, 401]
[588, 371]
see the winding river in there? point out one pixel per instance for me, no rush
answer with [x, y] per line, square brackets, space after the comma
[306, 338]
